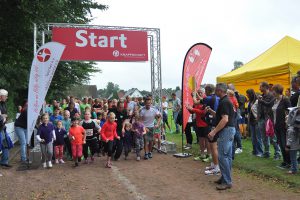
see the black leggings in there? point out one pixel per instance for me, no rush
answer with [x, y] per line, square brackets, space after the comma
[108, 147]
[93, 147]
[188, 133]
[118, 148]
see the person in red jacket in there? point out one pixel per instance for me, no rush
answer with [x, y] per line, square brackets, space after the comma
[108, 134]
[201, 125]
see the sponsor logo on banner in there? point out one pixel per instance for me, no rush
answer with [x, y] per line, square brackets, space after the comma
[42, 71]
[194, 66]
[102, 45]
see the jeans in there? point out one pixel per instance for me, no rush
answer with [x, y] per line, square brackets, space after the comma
[22, 135]
[175, 115]
[225, 140]
[256, 139]
[5, 156]
[266, 139]
[294, 162]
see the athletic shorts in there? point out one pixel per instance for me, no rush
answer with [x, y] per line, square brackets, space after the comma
[215, 137]
[149, 135]
[202, 132]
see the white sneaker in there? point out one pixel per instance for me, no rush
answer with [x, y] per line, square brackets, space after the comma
[50, 164]
[138, 158]
[238, 150]
[61, 161]
[45, 165]
[212, 166]
[56, 161]
[212, 172]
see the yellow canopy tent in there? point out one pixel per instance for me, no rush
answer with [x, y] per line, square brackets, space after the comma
[277, 65]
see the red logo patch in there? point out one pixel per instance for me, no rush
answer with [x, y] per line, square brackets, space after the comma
[43, 55]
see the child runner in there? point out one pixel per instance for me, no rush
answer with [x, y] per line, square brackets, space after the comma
[77, 137]
[92, 130]
[158, 129]
[45, 136]
[108, 134]
[139, 129]
[60, 133]
[56, 116]
[127, 140]
[66, 122]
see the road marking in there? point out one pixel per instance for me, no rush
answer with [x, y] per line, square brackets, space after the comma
[128, 185]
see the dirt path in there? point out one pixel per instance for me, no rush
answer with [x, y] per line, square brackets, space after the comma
[163, 177]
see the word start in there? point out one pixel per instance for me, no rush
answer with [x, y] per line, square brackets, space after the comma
[98, 41]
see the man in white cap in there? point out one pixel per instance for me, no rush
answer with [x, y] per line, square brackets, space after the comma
[3, 98]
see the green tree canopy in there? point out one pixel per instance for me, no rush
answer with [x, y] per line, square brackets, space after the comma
[16, 46]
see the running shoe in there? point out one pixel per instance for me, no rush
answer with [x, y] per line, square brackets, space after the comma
[212, 172]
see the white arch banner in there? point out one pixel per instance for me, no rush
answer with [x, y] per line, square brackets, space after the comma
[42, 70]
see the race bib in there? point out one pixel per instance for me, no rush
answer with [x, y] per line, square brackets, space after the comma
[89, 132]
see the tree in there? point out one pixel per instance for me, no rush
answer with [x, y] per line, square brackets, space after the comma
[237, 64]
[16, 46]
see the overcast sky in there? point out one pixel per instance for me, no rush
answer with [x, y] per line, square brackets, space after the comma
[235, 29]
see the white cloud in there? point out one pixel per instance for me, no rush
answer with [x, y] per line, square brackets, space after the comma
[236, 30]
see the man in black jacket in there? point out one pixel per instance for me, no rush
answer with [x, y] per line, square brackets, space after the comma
[264, 112]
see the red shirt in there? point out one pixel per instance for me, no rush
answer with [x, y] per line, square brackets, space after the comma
[200, 115]
[234, 103]
[78, 133]
[109, 131]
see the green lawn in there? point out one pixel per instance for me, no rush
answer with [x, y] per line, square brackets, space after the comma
[261, 167]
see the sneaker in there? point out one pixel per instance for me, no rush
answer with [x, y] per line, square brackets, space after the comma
[209, 167]
[92, 159]
[150, 155]
[56, 161]
[291, 172]
[50, 164]
[76, 164]
[259, 155]
[238, 150]
[45, 165]
[214, 171]
[277, 157]
[86, 161]
[187, 148]
[138, 158]
[266, 155]
[146, 157]
[61, 161]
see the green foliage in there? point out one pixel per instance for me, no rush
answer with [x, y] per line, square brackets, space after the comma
[16, 46]
[111, 88]
[237, 64]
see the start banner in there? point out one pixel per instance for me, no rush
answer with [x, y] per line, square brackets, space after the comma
[42, 70]
[194, 66]
[87, 44]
